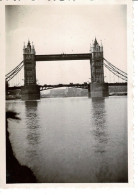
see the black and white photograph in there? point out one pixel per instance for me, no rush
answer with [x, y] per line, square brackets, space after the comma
[66, 93]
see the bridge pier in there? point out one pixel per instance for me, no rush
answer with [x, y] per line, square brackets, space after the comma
[98, 90]
[30, 92]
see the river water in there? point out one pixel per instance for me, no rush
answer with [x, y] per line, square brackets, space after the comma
[72, 140]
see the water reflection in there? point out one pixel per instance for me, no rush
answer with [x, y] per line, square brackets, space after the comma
[73, 140]
[33, 131]
[99, 123]
[32, 122]
[101, 138]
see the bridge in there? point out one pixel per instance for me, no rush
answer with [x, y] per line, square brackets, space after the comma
[96, 88]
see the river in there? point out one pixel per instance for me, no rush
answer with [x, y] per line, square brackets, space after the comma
[72, 140]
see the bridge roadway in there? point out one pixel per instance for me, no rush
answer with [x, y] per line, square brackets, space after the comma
[77, 85]
[56, 57]
[46, 87]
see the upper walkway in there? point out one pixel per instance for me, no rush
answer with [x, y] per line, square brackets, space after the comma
[56, 57]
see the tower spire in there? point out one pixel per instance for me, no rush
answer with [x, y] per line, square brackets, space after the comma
[95, 42]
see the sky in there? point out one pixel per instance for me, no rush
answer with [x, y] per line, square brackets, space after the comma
[55, 29]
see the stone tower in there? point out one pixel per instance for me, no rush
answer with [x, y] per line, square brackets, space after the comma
[98, 87]
[30, 90]
[97, 63]
[29, 65]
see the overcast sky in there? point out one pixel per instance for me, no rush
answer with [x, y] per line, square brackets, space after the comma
[69, 29]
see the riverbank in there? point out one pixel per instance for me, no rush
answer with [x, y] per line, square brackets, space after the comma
[15, 173]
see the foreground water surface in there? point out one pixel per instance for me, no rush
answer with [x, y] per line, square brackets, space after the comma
[72, 139]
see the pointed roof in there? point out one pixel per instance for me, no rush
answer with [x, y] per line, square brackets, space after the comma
[29, 45]
[95, 42]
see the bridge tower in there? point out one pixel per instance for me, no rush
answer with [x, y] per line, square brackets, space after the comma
[30, 90]
[98, 87]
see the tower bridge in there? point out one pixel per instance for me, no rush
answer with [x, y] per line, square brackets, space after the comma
[97, 88]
